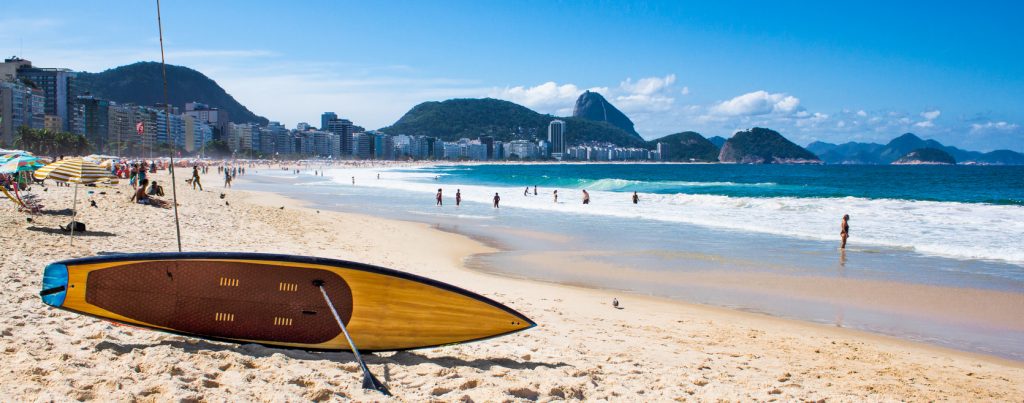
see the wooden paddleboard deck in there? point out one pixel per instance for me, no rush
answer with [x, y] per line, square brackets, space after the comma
[272, 300]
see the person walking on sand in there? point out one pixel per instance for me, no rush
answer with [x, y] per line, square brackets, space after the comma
[534, 190]
[636, 199]
[496, 200]
[458, 197]
[227, 178]
[195, 178]
[586, 197]
[844, 231]
[556, 195]
[439, 197]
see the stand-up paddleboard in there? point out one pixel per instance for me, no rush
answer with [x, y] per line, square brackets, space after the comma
[276, 300]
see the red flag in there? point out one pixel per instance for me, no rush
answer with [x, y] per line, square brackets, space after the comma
[140, 128]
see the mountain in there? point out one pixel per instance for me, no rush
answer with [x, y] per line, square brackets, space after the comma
[1001, 157]
[505, 121]
[142, 84]
[718, 141]
[924, 156]
[763, 146]
[902, 145]
[820, 147]
[851, 153]
[686, 146]
[593, 106]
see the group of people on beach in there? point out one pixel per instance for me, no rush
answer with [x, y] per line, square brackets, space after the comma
[439, 196]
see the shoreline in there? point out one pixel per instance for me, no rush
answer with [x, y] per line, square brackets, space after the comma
[652, 350]
[491, 246]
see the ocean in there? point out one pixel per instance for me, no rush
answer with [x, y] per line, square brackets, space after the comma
[934, 253]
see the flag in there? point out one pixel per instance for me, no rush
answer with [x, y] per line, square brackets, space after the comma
[140, 128]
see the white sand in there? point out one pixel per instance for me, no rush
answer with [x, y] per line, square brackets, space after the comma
[653, 350]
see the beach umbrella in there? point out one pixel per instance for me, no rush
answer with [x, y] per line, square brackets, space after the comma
[20, 163]
[77, 171]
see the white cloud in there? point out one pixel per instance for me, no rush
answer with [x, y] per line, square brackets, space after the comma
[993, 126]
[549, 97]
[685, 91]
[757, 103]
[931, 115]
[861, 113]
[924, 124]
[647, 86]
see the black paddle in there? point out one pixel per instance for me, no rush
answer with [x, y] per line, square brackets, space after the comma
[369, 381]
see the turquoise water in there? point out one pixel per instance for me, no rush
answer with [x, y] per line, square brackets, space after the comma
[968, 184]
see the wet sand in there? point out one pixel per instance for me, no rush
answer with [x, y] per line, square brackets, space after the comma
[652, 350]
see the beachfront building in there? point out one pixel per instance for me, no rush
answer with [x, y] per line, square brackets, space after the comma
[325, 118]
[499, 151]
[523, 150]
[556, 137]
[216, 118]
[20, 105]
[362, 145]
[343, 129]
[197, 133]
[96, 121]
[58, 86]
[383, 147]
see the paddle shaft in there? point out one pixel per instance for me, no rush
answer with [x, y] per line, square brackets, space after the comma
[74, 214]
[369, 382]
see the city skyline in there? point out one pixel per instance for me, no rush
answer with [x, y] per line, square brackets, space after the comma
[865, 73]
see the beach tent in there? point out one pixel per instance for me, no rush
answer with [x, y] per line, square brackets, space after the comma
[77, 171]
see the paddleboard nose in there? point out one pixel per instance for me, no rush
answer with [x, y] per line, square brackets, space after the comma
[55, 284]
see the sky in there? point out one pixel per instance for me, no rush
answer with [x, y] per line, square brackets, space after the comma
[814, 71]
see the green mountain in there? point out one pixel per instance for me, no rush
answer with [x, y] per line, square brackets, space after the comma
[718, 141]
[925, 156]
[686, 146]
[593, 106]
[873, 153]
[1001, 157]
[764, 146]
[142, 84]
[505, 121]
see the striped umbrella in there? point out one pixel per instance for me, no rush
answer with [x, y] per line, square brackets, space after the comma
[74, 170]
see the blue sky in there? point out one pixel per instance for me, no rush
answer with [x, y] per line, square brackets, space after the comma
[866, 71]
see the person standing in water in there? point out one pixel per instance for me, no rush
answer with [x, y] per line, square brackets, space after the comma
[844, 231]
[496, 200]
[586, 197]
[556, 195]
[353, 181]
[458, 197]
[526, 192]
[636, 199]
[439, 197]
[534, 190]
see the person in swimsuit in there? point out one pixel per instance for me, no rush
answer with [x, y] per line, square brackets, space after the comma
[844, 231]
[636, 199]
[439, 197]
[586, 197]
[458, 197]
[496, 200]
[556, 195]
